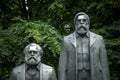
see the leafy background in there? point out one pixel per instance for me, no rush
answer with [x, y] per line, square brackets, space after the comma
[47, 21]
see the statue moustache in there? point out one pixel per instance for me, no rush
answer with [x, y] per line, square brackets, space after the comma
[82, 26]
[32, 58]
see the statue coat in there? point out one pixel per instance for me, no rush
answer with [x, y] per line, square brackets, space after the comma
[46, 73]
[98, 58]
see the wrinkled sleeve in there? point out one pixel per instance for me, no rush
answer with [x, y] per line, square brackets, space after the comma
[104, 61]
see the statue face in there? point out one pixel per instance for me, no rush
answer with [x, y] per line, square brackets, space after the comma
[32, 56]
[82, 24]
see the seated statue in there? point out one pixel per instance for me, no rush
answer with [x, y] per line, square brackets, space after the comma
[33, 69]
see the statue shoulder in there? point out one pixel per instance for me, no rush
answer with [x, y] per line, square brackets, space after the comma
[18, 68]
[68, 36]
[96, 35]
[47, 68]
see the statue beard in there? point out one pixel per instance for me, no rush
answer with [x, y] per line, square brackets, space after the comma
[32, 61]
[82, 29]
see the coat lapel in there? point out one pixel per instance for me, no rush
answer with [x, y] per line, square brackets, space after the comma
[72, 39]
[21, 73]
[41, 71]
[92, 38]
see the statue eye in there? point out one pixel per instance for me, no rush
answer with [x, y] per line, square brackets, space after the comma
[32, 52]
[84, 20]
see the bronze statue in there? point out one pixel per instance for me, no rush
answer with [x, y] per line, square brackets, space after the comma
[33, 69]
[83, 55]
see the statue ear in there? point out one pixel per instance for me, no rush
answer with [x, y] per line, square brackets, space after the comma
[41, 54]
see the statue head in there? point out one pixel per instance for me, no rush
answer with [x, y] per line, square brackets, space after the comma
[81, 22]
[33, 53]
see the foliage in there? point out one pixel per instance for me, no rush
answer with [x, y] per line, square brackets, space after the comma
[19, 35]
[101, 12]
[104, 17]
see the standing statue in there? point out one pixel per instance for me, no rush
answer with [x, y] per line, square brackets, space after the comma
[33, 69]
[83, 55]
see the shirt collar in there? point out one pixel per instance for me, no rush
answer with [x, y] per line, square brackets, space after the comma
[86, 35]
[27, 67]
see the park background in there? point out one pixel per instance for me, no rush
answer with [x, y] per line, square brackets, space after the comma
[46, 22]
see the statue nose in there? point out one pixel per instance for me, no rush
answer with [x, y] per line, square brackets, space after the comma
[32, 53]
[81, 21]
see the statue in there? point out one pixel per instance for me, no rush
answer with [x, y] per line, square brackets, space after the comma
[83, 55]
[33, 69]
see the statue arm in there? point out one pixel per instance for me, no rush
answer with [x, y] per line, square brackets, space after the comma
[62, 62]
[104, 61]
[53, 75]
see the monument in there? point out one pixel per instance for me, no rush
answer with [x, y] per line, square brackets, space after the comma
[33, 69]
[83, 54]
